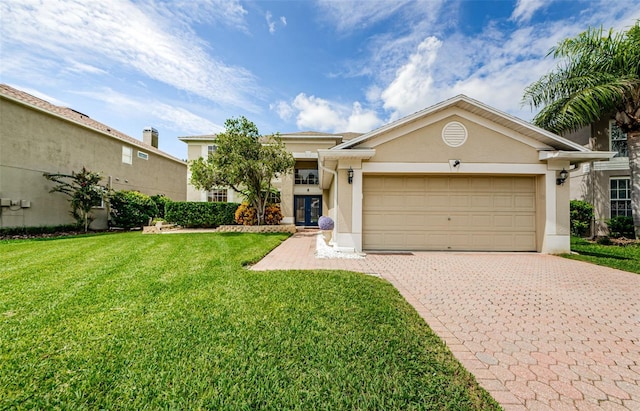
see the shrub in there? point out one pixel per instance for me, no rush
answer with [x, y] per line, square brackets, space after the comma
[199, 214]
[604, 241]
[581, 215]
[273, 214]
[621, 226]
[131, 209]
[247, 215]
[325, 223]
[161, 201]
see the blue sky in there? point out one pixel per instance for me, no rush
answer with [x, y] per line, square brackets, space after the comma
[185, 66]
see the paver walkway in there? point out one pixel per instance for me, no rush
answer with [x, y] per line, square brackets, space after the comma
[539, 332]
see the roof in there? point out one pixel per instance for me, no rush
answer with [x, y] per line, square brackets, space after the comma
[76, 117]
[480, 109]
[204, 137]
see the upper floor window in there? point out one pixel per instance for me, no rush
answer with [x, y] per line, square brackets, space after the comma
[217, 195]
[306, 176]
[127, 155]
[618, 140]
[143, 155]
[620, 195]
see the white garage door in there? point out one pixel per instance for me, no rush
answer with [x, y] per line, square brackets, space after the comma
[475, 213]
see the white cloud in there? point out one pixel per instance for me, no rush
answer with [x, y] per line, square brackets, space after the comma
[413, 82]
[525, 9]
[357, 14]
[122, 35]
[283, 109]
[270, 23]
[318, 114]
[168, 116]
[227, 12]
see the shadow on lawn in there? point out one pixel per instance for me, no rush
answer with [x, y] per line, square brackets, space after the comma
[603, 255]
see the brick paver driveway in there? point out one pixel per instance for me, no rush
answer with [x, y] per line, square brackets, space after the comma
[538, 332]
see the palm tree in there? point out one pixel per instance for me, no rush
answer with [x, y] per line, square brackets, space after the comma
[599, 74]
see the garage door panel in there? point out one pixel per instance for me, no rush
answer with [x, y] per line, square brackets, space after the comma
[449, 213]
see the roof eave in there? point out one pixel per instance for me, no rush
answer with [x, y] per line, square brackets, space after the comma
[576, 156]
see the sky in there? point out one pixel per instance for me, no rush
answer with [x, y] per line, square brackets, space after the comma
[185, 66]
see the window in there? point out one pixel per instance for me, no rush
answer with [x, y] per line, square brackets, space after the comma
[143, 156]
[620, 192]
[217, 196]
[618, 140]
[306, 176]
[273, 197]
[127, 154]
[211, 149]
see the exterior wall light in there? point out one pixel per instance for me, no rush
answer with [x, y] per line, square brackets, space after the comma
[350, 175]
[563, 177]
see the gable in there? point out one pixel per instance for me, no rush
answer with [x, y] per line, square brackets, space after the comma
[422, 142]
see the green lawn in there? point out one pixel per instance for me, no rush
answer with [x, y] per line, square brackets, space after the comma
[625, 258]
[135, 321]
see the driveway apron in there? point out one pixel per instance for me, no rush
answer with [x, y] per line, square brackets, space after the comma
[539, 332]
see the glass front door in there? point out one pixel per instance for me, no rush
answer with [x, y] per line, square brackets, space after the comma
[307, 209]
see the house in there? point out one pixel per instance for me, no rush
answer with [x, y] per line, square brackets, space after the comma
[458, 176]
[38, 137]
[606, 184]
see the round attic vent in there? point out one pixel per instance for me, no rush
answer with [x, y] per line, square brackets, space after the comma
[454, 134]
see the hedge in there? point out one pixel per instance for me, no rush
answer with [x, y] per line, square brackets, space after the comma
[131, 209]
[200, 214]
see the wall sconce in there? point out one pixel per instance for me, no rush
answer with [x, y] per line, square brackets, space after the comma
[350, 175]
[563, 177]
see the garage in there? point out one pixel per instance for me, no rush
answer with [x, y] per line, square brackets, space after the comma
[461, 212]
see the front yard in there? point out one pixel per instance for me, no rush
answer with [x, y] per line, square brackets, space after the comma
[175, 322]
[626, 258]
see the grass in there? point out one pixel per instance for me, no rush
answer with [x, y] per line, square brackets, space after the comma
[134, 321]
[626, 258]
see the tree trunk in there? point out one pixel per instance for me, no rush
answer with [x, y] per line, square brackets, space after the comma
[633, 142]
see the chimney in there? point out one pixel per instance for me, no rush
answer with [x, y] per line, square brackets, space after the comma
[150, 136]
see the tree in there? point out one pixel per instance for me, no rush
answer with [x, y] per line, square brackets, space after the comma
[245, 161]
[599, 74]
[84, 191]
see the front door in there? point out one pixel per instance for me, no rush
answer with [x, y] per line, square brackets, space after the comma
[307, 209]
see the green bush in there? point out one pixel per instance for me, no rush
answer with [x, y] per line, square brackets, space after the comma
[131, 209]
[581, 215]
[161, 201]
[621, 226]
[199, 214]
[604, 241]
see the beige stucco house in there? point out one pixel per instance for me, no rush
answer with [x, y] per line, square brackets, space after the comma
[38, 137]
[459, 175]
[606, 183]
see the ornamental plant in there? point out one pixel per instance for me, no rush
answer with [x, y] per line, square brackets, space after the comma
[325, 223]
[84, 192]
[248, 215]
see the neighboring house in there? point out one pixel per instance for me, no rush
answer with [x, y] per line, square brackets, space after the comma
[605, 184]
[37, 137]
[457, 176]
